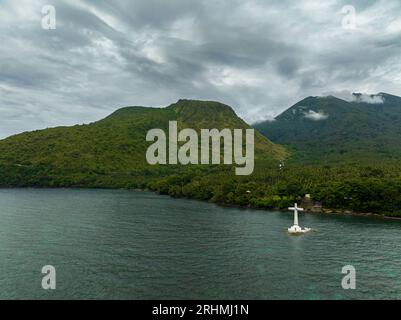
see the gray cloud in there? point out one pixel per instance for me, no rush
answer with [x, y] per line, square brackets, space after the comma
[258, 56]
[357, 97]
[316, 116]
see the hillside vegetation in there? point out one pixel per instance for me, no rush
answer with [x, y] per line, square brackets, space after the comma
[323, 130]
[110, 153]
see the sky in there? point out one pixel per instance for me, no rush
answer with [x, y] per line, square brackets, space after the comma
[260, 57]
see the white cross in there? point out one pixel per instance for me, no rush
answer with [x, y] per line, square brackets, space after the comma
[295, 209]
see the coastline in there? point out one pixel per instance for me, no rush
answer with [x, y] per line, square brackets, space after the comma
[325, 211]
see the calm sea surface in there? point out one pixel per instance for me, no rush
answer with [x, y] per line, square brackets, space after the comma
[115, 244]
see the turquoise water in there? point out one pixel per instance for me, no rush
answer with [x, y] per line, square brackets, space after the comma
[116, 244]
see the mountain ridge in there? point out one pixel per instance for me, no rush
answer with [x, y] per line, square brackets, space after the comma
[110, 154]
[92, 154]
[331, 129]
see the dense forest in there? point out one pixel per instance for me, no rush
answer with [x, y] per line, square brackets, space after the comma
[323, 130]
[358, 188]
[111, 154]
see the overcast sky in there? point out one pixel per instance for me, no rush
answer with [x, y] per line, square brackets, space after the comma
[258, 56]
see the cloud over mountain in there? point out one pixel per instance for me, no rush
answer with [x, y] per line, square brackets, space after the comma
[316, 116]
[258, 56]
[357, 97]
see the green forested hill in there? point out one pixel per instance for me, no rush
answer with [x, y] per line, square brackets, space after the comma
[111, 152]
[331, 130]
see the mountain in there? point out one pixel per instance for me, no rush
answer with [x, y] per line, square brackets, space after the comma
[329, 129]
[111, 152]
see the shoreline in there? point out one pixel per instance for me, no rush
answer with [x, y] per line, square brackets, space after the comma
[325, 211]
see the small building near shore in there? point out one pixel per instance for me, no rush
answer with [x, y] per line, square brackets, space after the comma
[310, 205]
